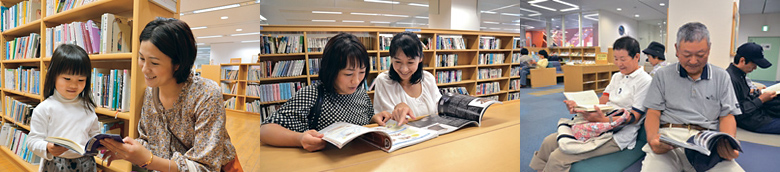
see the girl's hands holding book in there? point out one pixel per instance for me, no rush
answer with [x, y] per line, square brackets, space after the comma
[311, 140]
[55, 150]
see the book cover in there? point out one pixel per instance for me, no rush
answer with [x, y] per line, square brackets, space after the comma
[106, 28]
[120, 35]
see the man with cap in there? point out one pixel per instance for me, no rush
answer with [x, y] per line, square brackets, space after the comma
[655, 55]
[759, 110]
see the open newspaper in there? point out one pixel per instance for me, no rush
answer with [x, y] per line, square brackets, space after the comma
[704, 141]
[775, 88]
[454, 112]
[389, 138]
[586, 100]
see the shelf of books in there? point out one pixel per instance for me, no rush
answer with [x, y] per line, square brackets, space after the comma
[107, 30]
[576, 55]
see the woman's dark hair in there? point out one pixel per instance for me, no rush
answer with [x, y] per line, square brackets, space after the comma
[627, 43]
[544, 53]
[70, 59]
[342, 50]
[410, 45]
[173, 38]
[523, 51]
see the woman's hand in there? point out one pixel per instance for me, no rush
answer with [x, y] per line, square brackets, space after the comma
[311, 140]
[55, 150]
[131, 151]
[570, 105]
[381, 118]
[400, 112]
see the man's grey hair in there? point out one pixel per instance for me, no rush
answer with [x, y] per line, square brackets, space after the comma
[693, 32]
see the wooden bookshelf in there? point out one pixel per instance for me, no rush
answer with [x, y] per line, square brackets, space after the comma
[578, 55]
[588, 77]
[140, 12]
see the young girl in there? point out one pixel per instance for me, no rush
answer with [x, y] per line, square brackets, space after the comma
[406, 89]
[343, 71]
[67, 112]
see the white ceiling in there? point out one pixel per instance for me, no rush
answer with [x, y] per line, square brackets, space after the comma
[759, 6]
[244, 17]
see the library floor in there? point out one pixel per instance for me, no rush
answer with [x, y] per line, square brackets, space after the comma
[540, 109]
[244, 130]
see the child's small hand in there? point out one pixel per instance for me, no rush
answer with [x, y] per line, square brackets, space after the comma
[311, 140]
[55, 150]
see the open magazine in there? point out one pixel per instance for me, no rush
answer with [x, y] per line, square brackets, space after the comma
[586, 100]
[455, 111]
[389, 138]
[704, 141]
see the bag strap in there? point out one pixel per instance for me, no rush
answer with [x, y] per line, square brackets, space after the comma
[314, 113]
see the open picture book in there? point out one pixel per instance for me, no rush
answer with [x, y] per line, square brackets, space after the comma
[586, 100]
[775, 88]
[389, 138]
[704, 141]
[454, 112]
[92, 145]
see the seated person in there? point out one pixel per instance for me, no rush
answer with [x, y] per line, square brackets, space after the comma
[685, 98]
[759, 110]
[343, 99]
[626, 90]
[406, 89]
[526, 63]
[655, 55]
[542, 63]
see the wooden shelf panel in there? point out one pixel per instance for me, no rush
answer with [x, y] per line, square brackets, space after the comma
[7, 118]
[496, 93]
[493, 65]
[117, 165]
[22, 60]
[113, 56]
[457, 67]
[25, 94]
[90, 11]
[460, 50]
[287, 54]
[494, 50]
[18, 160]
[455, 83]
[25, 29]
[280, 78]
[492, 79]
[108, 112]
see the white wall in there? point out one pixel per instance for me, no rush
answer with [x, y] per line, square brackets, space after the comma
[750, 26]
[608, 28]
[222, 53]
[453, 14]
[716, 15]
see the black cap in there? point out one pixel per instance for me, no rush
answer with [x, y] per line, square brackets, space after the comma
[656, 49]
[754, 53]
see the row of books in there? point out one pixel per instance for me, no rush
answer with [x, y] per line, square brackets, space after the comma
[261, 70]
[16, 140]
[281, 44]
[491, 58]
[489, 73]
[229, 74]
[227, 89]
[450, 43]
[111, 35]
[20, 112]
[274, 92]
[26, 47]
[516, 57]
[515, 71]
[264, 110]
[24, 79]
[514, 84]
[317, 44]
[115, 34]
[384, 63]
[230, 103]
[58, 6]
[488, 88]
[384, 41]
[19, 14]
[287, 68]
[314, 66]
[111, 125]
[111, 88]
[459, 90]
[373, 63]
[489, 43]
[513, 96]
[446, 60]
[493, 97]
[427, 43]
[449, 76]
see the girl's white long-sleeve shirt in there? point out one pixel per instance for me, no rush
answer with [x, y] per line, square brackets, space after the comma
[60, 117]
[390, 93]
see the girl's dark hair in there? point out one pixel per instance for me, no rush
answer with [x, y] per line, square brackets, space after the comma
[173, 38]
[523, 51]
[341, 50]
[71, 60]
[410, 45]
[544, 53]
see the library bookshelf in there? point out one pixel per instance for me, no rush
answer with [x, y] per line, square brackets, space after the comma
[468, 58]
[588, 77]
[584, 55]
[139, 12]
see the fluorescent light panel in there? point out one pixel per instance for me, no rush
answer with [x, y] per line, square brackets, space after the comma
[384, 22]
[216, 8]
[250, 41]
[488, 12]
[323, 20]
[419, 5]
[421, 17]
[365, 14]
[352, 21]
[394, 15]
[543, 7]
[325, 12]
[382, 1]
[196, 28]
[243, 34]
[490, 22]
[215, 36]
[511, 14]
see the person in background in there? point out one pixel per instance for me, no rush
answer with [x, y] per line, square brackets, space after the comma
[760, 110]
[526, 63]
[542, 63]
[655, 55]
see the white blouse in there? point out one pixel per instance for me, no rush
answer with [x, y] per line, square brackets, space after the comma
[390, 93]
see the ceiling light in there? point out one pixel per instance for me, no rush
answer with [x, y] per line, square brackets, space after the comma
[514, 24]
[591, 16]
[382, 1]
[243, 34]
[215, 36]
[323, 20]
[573, 7]
[664, 22]
[619, 9]
[365, 14]
[490, 22]
[239, 30]
[325, 12]
[488, 12]
[196, 28]
[216, 8]
[262, 18]
[495, 28]
[421, 17]
[543, 7]
[636, 15]
[200, 44]
[250, 41]
[394, 15]
[483, 27]
[419, 5]
[204, 48]
[404, 23]
[662, 4]
[511, 14]
[536, 1]
[223, 17]
[352, 21]
[379, 22]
